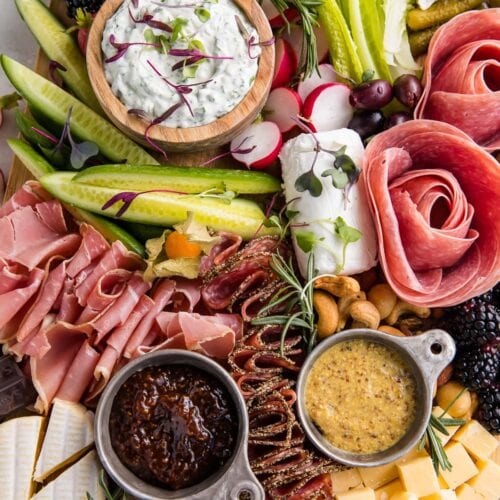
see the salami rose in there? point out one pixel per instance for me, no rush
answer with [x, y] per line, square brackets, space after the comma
[434, 195]
[462, 76]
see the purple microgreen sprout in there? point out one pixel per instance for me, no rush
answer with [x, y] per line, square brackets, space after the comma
[157, 121]
[238, 150]
[53, 65]
[252, 43]
[182, 6]
[127, 197]
[149, 20]
[47, 136]
[193, 56]
[123, 47]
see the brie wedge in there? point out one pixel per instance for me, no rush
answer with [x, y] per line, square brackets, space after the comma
[19, 439]
[316, 214]
[69, 433]
[74, 483]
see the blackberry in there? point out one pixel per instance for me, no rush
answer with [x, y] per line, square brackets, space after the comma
[476, 321]
[478, 368]
[489, 408]
[90, 6]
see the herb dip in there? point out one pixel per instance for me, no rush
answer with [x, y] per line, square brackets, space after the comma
[362, 396]
[208, 27]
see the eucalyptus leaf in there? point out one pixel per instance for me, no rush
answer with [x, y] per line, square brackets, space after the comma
[309, 182]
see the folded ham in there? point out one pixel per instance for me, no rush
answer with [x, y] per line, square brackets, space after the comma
[434, 195]
[462, 76]
[79, 308]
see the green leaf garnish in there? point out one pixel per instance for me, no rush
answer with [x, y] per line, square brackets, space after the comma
[177, 24]
[347, 234]
[339, 178]
[309, 182]
[9, 101]
[367, 75]
[202, 14]
[306, 239]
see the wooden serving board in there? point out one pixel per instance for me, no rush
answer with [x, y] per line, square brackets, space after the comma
[19, 174]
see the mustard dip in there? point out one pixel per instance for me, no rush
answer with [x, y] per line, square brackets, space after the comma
[361, 395]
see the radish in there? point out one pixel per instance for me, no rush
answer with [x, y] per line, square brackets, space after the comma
[326, 75]
[258, 145]
[286, 63]
[327, 107]
[282, 106]
[273, 14]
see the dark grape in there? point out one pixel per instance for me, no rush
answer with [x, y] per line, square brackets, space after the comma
[408, 90]
[367, 123]
[397, 118]
[371, 95]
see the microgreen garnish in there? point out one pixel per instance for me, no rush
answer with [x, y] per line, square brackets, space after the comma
[298, 300]
[150, 21]
[9, 101]
[53, 65]
[177, 24]
[250, 39]
[202, 14]
[135, 3]
[159, 41]
[344, 170]
[123, 47]
[45, 134]
[118, 494]
[193, 56]
[80, 151]
[347, 234]
[237, 150]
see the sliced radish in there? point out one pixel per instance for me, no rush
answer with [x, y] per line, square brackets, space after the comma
[273, 14]
[282, 106]
[327, 107]
[326, 75]
[258, 145]
[286, 63]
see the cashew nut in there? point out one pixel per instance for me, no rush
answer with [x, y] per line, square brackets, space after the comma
[403, 307]
[383, 298]
[344, 304]
[328, 313]
[340, 286]
[391, 331]
[364, 314]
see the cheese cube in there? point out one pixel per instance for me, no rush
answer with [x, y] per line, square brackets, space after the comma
[375, 477]
[385, 492]
[466, 492]
[404, 495]
[463, 467]
[418, 476]
[437, 411]
[487, 482]
[361, 494]
[345, 480]
[476, 440]
[441, 495]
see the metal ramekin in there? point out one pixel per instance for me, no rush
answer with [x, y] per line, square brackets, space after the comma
[426, 355]
[232, 479]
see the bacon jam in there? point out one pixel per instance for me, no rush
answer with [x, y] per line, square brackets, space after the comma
[173, 426]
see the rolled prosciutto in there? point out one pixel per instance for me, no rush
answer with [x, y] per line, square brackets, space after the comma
[434, 195]
[462, 76]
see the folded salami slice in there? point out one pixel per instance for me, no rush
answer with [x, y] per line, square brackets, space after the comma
[462, 76]
[434, 196]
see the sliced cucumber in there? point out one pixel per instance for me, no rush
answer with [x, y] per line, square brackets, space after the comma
[184, 179]
[142, 232]
[61, 47]
[25, 124]
[39, 166]
[243, 217]
[54, 102]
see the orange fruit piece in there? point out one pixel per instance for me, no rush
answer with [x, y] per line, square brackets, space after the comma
[177, 246]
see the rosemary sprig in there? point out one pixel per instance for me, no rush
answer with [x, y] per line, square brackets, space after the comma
[119, 494]
[307, 9]
[298, 299]
[435, 445]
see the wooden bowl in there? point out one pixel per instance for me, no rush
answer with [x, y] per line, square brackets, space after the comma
[190, 139]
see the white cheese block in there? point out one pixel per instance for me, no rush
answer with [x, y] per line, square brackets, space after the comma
[70, 431]
[425, 4]
[296, 157]
[18, 448]
[74, 483]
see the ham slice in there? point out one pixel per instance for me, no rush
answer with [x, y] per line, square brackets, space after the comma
[31, 235]
[93, 245]
[462, 76]
[435, 215]
[28, 195]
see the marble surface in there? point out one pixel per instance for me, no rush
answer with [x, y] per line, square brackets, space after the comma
[17, 42]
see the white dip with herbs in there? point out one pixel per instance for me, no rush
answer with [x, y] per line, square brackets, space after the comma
[210, 88]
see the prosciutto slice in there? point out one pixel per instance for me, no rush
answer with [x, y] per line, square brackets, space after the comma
[434, 196]
[462, 76]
